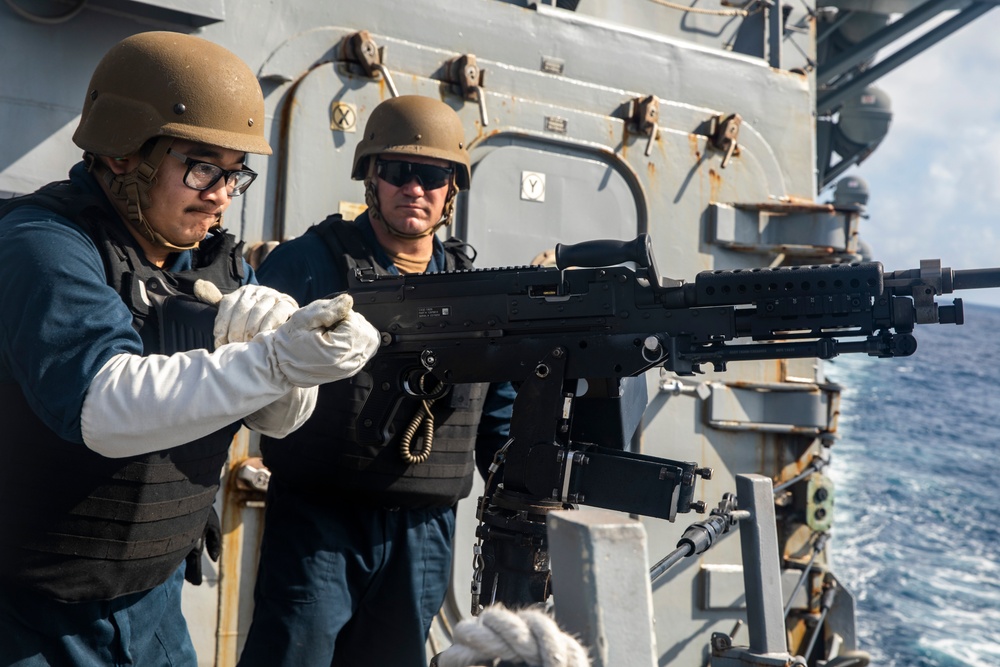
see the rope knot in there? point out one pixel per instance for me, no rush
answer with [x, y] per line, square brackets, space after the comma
[527, 636]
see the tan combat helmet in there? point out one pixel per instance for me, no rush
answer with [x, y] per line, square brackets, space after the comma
[173, 86]
[412, 125]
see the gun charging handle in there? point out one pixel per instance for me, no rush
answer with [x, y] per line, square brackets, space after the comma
[608, 252]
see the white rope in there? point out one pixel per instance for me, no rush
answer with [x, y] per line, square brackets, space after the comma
[526, 636]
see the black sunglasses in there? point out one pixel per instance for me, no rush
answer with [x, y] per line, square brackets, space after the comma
[399, 173]
[203, 175]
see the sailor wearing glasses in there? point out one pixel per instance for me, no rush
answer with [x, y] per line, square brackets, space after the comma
[357, 544]
[116, 431]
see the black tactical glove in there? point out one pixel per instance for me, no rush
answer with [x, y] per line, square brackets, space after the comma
[210, 539]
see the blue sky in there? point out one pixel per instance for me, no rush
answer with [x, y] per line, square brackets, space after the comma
[935, 180]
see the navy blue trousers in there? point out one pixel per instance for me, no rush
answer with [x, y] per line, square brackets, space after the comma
[143, 629]
[346, 585]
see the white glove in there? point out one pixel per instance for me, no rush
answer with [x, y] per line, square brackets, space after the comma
[245, 312]
[136, 405]
[284, 415]
[323, 342]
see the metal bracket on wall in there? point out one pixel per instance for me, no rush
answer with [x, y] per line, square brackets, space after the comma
[465, 73]
[801, 229]
[724, 133]
[644, 118]
[774, 407]
[361, 49]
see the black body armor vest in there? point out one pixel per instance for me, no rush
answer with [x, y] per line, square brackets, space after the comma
[322, 460]
[89, 527]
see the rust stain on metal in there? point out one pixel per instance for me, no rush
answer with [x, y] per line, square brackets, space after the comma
[752, 427]
[654, 184]
[694, 144]
[626, 140]
[756, 386]
[715, 184]
[834, 413]
[798, 633]
[741, 384]
[229, 560]
[788, 205]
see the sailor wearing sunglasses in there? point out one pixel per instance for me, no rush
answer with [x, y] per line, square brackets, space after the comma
[411, 198]
[367, 531]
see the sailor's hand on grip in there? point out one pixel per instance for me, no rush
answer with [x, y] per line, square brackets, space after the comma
[323, 342]
[269, 381]
[245, 312]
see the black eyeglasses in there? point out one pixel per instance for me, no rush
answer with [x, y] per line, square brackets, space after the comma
[203, 175]
[400, 172]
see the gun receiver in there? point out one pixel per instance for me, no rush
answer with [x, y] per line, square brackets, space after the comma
[493, 325]
[578, 331]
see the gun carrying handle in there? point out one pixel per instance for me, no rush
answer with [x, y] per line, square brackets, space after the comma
[605, 252]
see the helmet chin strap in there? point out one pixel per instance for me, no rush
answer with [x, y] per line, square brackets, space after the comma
[374, 212]
[130, 192]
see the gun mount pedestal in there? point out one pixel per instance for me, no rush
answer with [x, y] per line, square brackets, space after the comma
[545, 470]
[515, 549]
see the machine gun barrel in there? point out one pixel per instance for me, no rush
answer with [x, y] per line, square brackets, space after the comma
[977, 278]
[930, 275]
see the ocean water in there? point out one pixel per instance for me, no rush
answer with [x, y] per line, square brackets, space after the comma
[916, 535]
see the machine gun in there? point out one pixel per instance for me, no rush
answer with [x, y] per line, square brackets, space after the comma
[574, 337]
